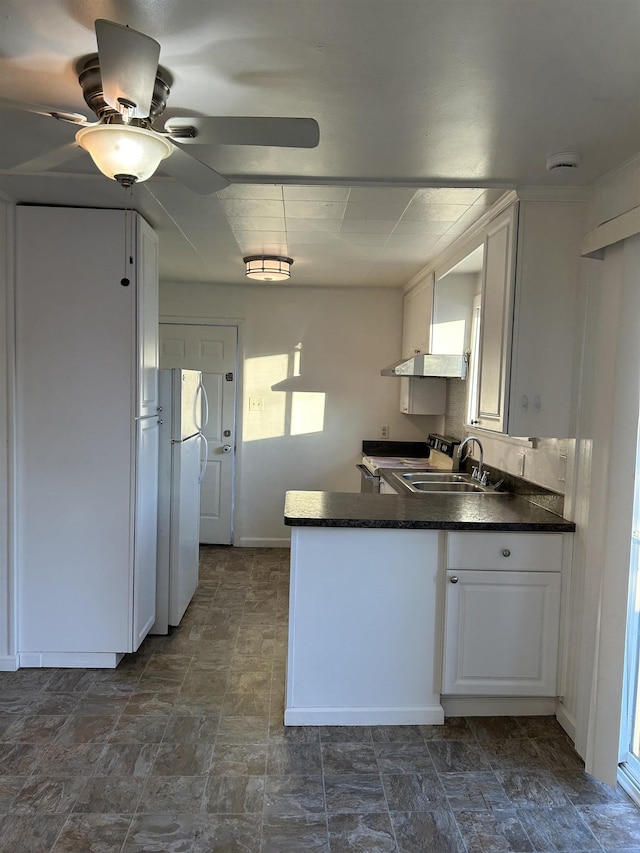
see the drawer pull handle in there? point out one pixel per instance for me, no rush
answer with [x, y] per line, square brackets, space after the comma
[506, 552]
[454, 579]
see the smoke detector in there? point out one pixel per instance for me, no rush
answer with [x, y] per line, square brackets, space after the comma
[563, 160]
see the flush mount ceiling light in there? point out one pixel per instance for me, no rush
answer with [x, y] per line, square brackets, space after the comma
[268, 267]
[124, 152]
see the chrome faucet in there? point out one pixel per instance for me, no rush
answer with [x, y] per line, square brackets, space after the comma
[477, 473]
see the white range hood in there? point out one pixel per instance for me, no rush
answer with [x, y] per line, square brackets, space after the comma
[445, 366]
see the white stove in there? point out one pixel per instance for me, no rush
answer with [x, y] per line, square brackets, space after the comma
[442, 451]
[370, 479]
[372, 463]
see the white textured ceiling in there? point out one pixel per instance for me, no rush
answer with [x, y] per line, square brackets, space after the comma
[428, 111]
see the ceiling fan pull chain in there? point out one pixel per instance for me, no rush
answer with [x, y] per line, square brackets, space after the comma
[125, 281]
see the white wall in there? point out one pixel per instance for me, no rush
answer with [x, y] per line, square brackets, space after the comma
[609, 402]
[452, 310]
[347, 336]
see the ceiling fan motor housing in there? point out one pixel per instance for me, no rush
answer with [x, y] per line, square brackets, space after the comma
[90, 80]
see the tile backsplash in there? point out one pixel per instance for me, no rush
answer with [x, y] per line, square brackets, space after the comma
[455, 415]
[544, 464]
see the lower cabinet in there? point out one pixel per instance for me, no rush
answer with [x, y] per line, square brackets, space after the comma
[363, 627]
[502, 614]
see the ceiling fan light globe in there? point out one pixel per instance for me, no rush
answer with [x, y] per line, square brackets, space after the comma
[124, 150]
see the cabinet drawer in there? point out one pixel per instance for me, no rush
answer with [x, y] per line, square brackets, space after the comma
[505, 551]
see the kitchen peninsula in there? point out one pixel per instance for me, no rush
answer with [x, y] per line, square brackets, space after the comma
[398, 601]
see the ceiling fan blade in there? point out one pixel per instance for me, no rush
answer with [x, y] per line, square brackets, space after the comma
[247, 130]
[128, 67]
[41, 110]
[47, 162]
[199, 177]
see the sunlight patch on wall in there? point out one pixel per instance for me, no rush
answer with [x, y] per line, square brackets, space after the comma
[448, 338]
[307, 412]
[260, 374]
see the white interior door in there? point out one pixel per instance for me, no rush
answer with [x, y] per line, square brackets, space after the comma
[214, 351]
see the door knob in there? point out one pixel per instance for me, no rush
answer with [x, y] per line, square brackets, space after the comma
[454, 579]
[226, 448]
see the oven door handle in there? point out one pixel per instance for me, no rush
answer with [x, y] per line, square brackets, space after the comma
[366, 473]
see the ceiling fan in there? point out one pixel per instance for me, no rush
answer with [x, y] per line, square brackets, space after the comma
[127, 90]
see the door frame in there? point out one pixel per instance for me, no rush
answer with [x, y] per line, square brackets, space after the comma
[238, 324]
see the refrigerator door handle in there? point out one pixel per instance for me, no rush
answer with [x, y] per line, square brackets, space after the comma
[203, 467]
[205, 406]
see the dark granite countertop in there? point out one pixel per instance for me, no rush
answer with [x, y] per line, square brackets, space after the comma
[418, 512]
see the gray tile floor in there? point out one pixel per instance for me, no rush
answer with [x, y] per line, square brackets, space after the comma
[182, 749]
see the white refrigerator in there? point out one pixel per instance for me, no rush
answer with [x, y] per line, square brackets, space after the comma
[183, 414]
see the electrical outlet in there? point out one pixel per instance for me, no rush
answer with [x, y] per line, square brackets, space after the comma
[256, 404]
[384, 431]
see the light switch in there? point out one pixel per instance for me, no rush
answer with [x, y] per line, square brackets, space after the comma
[256, 404]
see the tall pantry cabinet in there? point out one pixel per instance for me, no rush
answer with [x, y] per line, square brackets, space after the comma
[87, 434]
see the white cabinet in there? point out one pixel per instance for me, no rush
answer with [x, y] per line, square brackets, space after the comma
[147, 310]
[502, 614]
[420, 396]
[386, 488]
[363, 627]
[497, 314]
[416, 319]
[423, 396]
[531, 262]
[145, 540]
[87, 434]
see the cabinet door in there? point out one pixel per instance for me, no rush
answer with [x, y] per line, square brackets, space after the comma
[74, 410]
[497, 320]
[386, 488]
[146, 530]
[501, 633]
[544, 327]
[147, 320]
[416, 319]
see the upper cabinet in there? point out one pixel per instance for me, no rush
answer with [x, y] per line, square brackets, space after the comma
[416, 319]
[147, 308]
[531, 263]
[496, 327]
[424, 396]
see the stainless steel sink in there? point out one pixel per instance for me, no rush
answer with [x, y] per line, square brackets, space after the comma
[435, 477]
[436, 482]
[433, 486]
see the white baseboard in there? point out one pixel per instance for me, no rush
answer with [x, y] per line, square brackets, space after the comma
[566, 720]
[429, 715]
[8, 663]
[70, 660]
[497, 706]
[247, 542]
